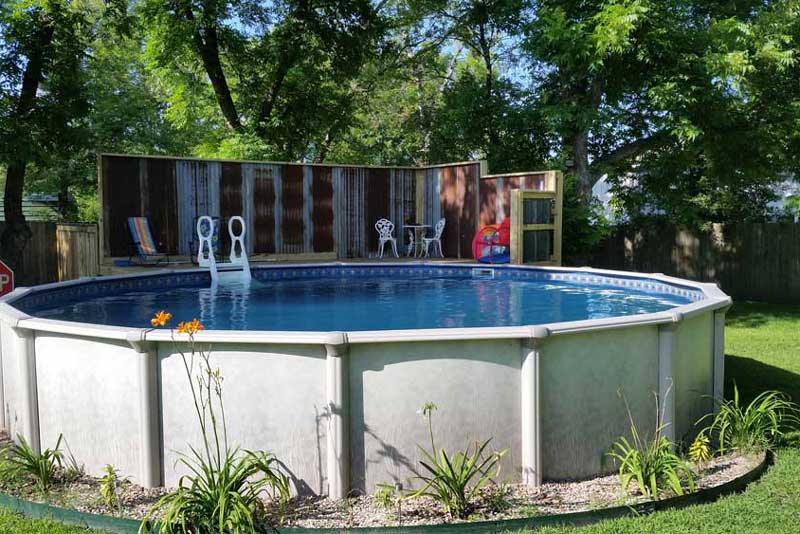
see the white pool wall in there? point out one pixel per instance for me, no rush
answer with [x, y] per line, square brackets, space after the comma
[341, 409]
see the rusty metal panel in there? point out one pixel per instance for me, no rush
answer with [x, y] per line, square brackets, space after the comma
[349, 191]
[292, 206]
[451, 203]
[431, 196]
[488, 196]
[308, 207]
[468, 220]
[377, 197]
[508, 183]
[263, 233]
[495, 195]
[198, 184]
[159, 202]
[258, 206]
[402, 200]
[231, 201]
[121, 199]
[322, 214]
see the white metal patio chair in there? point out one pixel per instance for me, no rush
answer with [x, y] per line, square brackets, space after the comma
[385, 228]
[436, 239]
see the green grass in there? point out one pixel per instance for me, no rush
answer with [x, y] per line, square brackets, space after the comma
[11, 523]
[762, 353]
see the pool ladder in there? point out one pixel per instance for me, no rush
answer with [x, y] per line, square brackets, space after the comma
[238, 258]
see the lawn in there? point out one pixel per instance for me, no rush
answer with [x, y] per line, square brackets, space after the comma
[762, 353]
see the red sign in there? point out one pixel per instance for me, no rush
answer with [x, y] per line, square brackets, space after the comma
[6, 279]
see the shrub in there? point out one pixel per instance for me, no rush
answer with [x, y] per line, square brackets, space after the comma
[24, 462]
[109, 487]
[390, 498]
[650, 461]
[700, 450]
[454, 480]
[223, 492]
[756, 427]
[497, 498]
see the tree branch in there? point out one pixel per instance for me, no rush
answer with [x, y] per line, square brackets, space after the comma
[632, 149]
[207, 46]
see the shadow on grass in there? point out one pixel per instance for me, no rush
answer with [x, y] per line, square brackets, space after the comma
[753, 377]
[751, 314]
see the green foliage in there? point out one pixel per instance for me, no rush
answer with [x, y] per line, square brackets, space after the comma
[385, 496]
[700, 449]
[454, 480]
[497, 497]
[222, 495]
[109, 487]
[756, 427]
[584, 223]
[22, 461]
[651, 462]
[225, 489]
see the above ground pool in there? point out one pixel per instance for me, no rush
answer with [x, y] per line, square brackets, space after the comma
[367, 298]
[327, 365]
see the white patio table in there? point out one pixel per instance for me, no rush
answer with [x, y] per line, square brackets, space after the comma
[419, 233]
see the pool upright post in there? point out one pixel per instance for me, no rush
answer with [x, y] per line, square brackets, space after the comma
[719, 356]
[666, 383]
[26, 348]
[338, 447]
[150, 475]
[530, 411]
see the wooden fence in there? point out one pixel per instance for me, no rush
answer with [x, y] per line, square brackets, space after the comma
[78, 251]
[58, 252]
[759, 261]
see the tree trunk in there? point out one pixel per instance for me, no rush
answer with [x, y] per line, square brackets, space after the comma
[207, 47]
[17, 233]
[488, 87]
[580, 156]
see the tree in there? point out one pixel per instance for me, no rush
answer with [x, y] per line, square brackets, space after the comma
[278, 73]
[41, 95]
[627, 83]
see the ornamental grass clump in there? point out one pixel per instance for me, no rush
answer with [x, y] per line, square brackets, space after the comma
[454, 480]
[754, 428]
[22, 462]
[226, 487]
[651, 461]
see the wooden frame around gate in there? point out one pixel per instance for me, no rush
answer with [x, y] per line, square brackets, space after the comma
[554, 189]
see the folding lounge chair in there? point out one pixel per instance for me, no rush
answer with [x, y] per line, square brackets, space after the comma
[143, 244]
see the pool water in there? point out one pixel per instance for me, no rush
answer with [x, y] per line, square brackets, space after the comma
[350, 304]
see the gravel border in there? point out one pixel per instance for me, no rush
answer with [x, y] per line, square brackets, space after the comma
[494, 502]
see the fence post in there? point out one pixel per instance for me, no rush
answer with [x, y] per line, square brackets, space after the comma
[558, 214]
[516, 227]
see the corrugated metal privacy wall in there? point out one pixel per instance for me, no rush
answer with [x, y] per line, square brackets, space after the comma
[288, 208]
[495, 194]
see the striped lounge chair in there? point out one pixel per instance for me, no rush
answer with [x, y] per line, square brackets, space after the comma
[143, 246]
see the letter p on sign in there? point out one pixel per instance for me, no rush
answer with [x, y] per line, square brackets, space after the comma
[6, 279]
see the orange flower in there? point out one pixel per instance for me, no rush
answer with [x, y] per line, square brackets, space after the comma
[190, 327]
[161, 318]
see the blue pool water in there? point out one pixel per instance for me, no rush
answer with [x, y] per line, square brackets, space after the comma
[350, 304]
